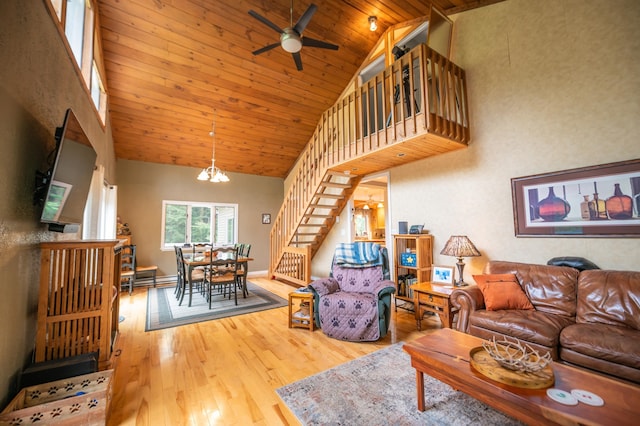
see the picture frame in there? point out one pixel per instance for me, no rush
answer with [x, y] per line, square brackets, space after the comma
[594, 201]
[442, 274]
[266, 218]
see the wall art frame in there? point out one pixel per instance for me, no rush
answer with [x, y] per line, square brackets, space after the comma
[593, 201]
[266, 218]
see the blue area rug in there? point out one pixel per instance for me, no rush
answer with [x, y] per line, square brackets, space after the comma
[380, 389]
[163, 310]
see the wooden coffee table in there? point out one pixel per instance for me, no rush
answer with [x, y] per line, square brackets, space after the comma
[444, 355]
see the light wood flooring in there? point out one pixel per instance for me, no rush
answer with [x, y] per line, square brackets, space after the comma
[226, 371]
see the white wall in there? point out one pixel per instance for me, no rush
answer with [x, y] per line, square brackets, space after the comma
[553, 85]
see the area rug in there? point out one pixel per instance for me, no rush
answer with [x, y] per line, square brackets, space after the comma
[380, 389]
[163, 310]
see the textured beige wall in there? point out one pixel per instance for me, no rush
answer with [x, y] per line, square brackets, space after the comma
[143, 186]
[553, 85]
[37, 85]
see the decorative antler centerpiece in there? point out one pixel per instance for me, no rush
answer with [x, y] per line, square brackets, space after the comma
[516, 356]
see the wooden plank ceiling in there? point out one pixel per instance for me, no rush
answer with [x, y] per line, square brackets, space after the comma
[171, 63]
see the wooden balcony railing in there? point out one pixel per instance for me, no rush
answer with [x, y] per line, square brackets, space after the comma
[418, 103]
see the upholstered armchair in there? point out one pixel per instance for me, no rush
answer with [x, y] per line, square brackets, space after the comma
[354, 302]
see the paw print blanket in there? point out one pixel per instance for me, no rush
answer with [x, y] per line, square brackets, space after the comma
[348, 305]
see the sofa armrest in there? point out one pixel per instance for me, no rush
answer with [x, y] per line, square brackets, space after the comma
[325, 286]
[383, 288]
[466, 300]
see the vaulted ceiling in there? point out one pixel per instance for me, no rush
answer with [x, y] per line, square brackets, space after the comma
[174, 65]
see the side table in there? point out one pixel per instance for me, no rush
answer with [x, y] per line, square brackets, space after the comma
[432, 297]
[301, 318]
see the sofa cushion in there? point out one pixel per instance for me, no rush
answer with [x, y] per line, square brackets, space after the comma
[609, 297]
[619, 345]
[551, 289]
[502, 291]
[530, 326]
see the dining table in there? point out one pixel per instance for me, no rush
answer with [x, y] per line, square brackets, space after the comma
[200, 260]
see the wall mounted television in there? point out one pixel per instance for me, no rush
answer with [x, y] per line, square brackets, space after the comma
[63, 189]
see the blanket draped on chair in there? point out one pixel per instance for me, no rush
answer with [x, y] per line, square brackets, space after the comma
[349, 307]
[357, 255]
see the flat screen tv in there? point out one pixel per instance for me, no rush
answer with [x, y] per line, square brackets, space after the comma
[64, 188]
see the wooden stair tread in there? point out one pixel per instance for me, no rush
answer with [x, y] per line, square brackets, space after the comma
[335, 185]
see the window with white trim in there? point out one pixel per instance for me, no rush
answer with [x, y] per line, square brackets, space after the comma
[188, 222]
[77, 22]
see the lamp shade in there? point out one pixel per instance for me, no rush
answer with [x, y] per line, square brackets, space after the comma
[460, 246]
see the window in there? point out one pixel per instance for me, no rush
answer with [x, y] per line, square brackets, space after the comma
[74, 27]
[98, 94]
[185, 222]
[77, 22]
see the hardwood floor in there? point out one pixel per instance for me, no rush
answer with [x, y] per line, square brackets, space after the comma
[226, 371]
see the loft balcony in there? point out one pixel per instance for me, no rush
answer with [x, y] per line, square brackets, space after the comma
[414, 108]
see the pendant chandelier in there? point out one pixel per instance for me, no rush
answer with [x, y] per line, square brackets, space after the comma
[213, 174]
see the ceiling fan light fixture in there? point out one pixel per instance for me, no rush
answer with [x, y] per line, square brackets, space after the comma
[290, 41]
[373, 23]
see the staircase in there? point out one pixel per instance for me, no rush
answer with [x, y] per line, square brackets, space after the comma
[374, 128]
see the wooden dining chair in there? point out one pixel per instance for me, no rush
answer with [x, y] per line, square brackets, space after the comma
[222, 275]
[128, 267]
[244, 269]
[179, 272]
[188, 279]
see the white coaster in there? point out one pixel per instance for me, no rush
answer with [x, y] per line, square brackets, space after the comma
[563, 397]
[587, 397]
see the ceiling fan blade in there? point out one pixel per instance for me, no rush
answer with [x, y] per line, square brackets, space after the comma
[305, 18]
[311, 42]
[266, 48]
[298, 59]
[266, 21]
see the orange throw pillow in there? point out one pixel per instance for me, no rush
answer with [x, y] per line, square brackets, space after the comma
[502, 291]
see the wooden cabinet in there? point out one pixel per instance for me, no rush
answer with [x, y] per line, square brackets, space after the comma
[413, 259]
[78, 304]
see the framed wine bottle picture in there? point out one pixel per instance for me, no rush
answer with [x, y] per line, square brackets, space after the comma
[594, 201]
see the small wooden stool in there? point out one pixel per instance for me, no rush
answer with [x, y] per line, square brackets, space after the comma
[299, 319]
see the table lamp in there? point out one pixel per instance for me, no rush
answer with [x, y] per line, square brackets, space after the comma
[460, 246]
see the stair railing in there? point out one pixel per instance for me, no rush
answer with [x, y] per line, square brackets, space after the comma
[421, 92]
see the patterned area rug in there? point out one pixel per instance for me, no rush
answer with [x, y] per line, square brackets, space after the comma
[379, 389]
[163, 310]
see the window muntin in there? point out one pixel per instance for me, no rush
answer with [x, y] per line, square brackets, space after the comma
[185, 222]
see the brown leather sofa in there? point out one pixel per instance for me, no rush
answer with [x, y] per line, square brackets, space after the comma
[587, 318]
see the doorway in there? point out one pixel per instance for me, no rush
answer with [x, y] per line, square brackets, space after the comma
[369, 219]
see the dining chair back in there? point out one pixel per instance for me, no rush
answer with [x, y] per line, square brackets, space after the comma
[244, 270]
[200, 250]
[128, 267]
[179, 271]
[222, 275]
[189, 279]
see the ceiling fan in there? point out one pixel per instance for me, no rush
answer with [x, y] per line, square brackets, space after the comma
[291, 38]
